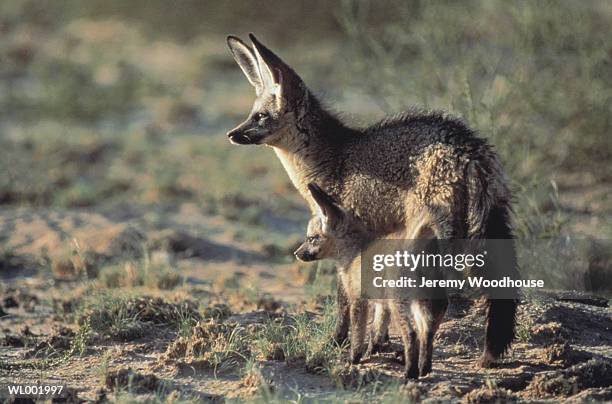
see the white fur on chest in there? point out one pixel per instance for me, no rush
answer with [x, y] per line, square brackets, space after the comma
[290, 164]
[293, 166]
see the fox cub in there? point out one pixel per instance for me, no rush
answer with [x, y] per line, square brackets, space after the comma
[338, 234]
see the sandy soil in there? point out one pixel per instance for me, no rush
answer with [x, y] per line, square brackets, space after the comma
[563, 352]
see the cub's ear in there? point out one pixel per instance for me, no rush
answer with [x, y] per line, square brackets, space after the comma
[330, 210]
[246, 59]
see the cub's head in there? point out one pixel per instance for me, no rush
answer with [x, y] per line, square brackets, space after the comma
[280, 95]
[333, 232]
[318, 244]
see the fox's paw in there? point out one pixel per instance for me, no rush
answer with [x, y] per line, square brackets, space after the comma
[355, 356]
[399, 356]
[411, 373]
[425, 370]
[340, 337]
[374, 348]
[487, 361]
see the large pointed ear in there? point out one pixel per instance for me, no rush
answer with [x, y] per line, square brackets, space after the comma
[330, 210]
[276, 75]
[269, 65]
[247, 61]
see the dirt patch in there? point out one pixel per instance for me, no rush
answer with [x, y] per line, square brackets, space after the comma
[133, 381]
[185, 245]
[485, 395]
[19, 298]
[586, 323]
[549, 332]
[218, 311]
[23, 338]
[597, 395]
[354, 377]
[76, 265]
[563, 354]
[130, 242]
[212, 345]
[60, 340]
[567, 382]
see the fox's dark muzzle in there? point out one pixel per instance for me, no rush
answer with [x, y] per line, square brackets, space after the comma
[244, 138]
[304, 255]
[245, 134]
[239, 138]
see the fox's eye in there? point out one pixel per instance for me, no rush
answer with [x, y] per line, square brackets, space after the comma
[260, 116]
[312, 239]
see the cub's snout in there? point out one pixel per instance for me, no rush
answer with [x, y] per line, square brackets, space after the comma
[304, 254]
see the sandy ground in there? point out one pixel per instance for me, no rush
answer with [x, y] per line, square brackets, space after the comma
[563, 352]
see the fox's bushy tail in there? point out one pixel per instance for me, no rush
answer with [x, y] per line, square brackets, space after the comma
[501, 308]
[489, 217]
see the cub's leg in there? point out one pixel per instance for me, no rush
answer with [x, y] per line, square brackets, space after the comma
[342, 322]
[379, 334]
[359, 325]
[428, 314]
[401, 317]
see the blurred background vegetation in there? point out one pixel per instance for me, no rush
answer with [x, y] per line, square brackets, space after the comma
[125, 104]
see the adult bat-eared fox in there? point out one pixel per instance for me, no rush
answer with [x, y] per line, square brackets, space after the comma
[385, 173]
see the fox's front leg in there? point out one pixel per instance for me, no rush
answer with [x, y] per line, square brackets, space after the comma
[359, 325]
[342, 322]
